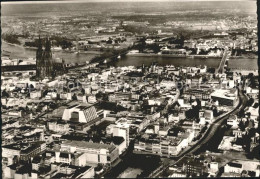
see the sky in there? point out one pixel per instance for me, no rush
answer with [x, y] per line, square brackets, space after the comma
[80, 1]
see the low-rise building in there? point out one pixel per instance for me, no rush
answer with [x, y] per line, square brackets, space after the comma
[58, 126]
[225, 97]
[95, 152]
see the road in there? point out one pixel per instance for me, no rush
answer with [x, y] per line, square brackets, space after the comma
[207, 136]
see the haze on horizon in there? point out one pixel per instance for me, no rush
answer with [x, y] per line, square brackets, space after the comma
[91, 1]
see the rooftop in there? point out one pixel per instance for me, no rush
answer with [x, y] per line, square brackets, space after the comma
[84, 144]
[228, 94]
[237, 165]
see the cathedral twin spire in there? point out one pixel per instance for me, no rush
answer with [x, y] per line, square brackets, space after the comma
[45, 66]
[46, 54]
[47, 44]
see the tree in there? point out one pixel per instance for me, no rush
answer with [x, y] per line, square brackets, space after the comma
[181, 40]
[250, 102]
[211, 70]
[241, 125]
[109, 41]
[204, 79]
[198, 104]
[215, 111]
[155, 47]
[248, 114]
[5, 94]
[31, 86]
[241, 113]
[140, 46]
[83, 91]
[251, 132]
[45, 92]
[11, 38]
[193, 113]
[74, 97]
[246, 123]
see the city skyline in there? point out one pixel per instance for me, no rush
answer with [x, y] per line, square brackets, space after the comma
[137, 89]
[87, 1]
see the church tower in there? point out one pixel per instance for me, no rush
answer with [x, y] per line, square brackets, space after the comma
[47, 57]
[38, 57]
[44, 64]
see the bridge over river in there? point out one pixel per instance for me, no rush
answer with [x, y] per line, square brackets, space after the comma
[8, 68]
[221, 66]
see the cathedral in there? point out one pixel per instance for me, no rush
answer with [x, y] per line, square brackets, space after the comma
[46, 66]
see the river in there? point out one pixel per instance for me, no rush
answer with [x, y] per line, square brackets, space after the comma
[243, 63]
[176, 61]
[23, 53]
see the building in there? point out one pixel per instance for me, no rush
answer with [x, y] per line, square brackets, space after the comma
[117, 141]
[95, 153]
[80, 113]
[64, 157]
[58, 126]
[163, 146]
[166, 50]
[238, 167]
[71, 171]
[45, 65]
[233, 167]
[120, 130]
[202, 94]
[177, 172]
[17, 171]
[195, 167]
[213, 169]
[35, 95]
[22, 151]
[225, 97]
[119, 96]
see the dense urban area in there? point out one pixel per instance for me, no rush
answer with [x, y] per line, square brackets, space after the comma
[93, 118]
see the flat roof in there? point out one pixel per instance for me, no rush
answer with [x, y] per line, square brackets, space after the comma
[72, 106]
[81, 107]
[227, 94]
[84, 144]
[237, 165]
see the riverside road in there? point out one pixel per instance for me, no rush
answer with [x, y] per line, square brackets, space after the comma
[207, 136]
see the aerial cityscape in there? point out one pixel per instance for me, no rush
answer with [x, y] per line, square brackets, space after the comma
[129, 89]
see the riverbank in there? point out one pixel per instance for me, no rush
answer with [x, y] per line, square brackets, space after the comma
[244, 57]
[171, 55]
[16, 45]
[55, 50]
[154, 55]
[19, 52]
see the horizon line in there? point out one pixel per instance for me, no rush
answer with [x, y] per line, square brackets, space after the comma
[91, 1]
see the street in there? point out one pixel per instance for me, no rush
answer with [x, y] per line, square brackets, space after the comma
[207, 136]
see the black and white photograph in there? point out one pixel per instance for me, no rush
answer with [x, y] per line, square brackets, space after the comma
[129, 89]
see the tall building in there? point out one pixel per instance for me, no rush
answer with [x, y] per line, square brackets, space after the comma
[80, 113]
[45, 65]
[119, 129]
